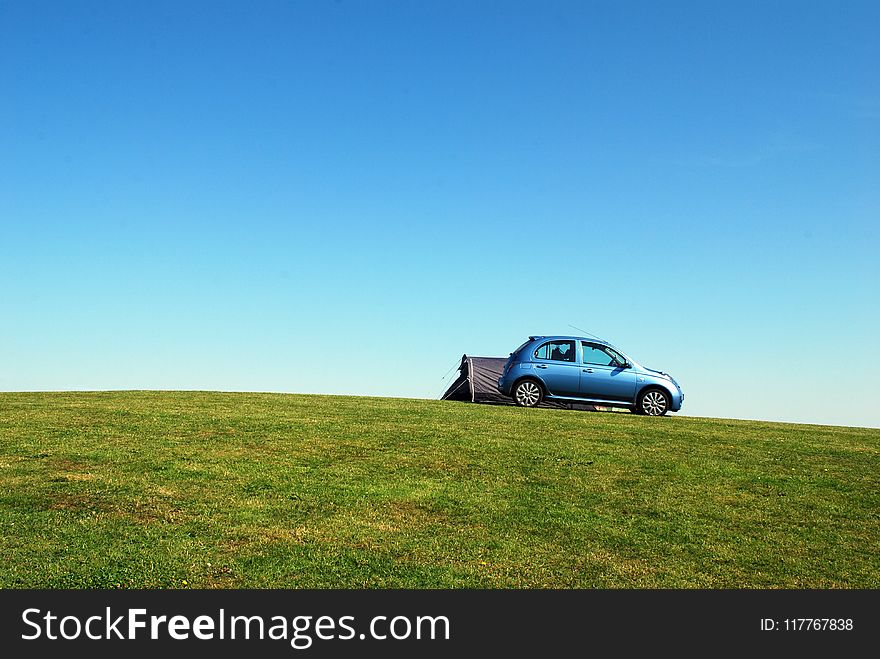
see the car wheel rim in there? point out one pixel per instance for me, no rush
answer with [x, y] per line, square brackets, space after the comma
[527, 394]
[654, 403]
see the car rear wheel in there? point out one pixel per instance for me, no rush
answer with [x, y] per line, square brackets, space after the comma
[654, 402]
[527, 393]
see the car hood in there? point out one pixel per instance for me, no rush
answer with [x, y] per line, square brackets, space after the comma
[653, 371]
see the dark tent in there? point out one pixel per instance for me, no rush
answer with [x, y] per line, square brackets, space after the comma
[477, 382]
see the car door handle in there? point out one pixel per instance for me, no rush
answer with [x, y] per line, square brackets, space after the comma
[588, 370]
[541, 366]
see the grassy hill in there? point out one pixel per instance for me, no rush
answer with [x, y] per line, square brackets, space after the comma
[219, 490]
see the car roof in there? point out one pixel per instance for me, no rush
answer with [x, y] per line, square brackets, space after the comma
[570, 338]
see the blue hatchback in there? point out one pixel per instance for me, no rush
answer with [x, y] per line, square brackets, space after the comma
[573, 368]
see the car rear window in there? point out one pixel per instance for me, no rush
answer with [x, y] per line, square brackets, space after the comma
[560, 351]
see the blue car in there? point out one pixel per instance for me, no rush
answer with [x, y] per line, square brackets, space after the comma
[577, 369]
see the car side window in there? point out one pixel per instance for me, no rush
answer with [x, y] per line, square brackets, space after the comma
[561, 351]
[594, 354]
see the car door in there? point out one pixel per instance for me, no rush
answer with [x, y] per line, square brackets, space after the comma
[602, 376]
[556, 364]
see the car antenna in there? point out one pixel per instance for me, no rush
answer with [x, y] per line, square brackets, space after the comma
[586, 332]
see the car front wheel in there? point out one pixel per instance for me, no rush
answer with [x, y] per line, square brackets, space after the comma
[527, 393]
[654, 402]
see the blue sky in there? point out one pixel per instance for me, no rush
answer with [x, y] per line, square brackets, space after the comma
[344, 197]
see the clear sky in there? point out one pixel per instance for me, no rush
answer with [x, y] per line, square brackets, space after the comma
[344, 197]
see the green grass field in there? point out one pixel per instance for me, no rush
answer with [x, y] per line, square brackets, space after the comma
[223, 490]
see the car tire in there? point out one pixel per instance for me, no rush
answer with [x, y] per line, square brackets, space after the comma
[527, 393]
[654, 402]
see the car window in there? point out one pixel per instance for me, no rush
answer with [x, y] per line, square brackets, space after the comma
[561, 351]
[594, 354]
[616, 356]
